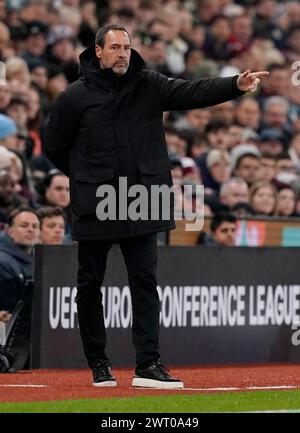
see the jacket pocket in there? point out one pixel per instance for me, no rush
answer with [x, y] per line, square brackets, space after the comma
[84, 189]
[153, 175]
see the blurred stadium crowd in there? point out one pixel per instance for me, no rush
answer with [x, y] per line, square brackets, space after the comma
[245, 152]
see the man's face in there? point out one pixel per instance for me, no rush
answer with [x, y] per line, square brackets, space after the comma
[63, 50]
[19, 113]
[266, 8]
[2, 10]
[5, 96]
[25, 229]
[235, 135]
[39, 76]
[285, 166]
[242, 28]
[272, 146]
[276, 115]
[225, 234]
[198, 118]
[116, 52]
[53, 230]
[219, 139]
[221, 29]
[236, 193]
[11, 142]
[247, 169]
[267, 169]
[223, 112]
[7, 189]
[278, 81]
[248, 113]
[176, 144]
[57, 193]
[36, 44]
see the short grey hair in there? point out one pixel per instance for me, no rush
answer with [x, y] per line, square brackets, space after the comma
[276, 100]
[227, 184]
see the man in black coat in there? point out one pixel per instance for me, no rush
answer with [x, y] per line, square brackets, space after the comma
[107, 127]
[16, 257]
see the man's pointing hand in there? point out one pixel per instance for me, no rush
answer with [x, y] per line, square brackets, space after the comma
[248, 81]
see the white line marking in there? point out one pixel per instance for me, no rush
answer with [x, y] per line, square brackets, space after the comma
[212, 389]
[244, 388]
[274, 387]
[24, 386]
[274, 411]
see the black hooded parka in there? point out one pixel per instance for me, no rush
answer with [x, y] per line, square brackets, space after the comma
[104, 127]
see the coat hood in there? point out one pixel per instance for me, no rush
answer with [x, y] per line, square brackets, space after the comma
[90, 71]
[8, 246]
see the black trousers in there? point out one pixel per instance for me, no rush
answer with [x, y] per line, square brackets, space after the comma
[140, 255]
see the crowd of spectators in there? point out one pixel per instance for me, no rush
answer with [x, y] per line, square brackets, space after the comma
[245, 152]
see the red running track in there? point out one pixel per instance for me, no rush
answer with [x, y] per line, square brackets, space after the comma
[44, 385]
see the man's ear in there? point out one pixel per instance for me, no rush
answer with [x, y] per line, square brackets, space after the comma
[98, 51]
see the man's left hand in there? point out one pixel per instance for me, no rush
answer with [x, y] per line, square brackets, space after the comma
[248, 81]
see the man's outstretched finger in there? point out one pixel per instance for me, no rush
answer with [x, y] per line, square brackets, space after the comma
[261, 73]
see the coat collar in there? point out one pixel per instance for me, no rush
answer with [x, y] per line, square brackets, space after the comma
[90, 71]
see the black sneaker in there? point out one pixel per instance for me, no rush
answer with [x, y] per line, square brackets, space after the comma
[155, 376]
[102, 375]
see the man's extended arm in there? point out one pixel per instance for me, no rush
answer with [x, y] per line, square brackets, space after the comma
[177, 94]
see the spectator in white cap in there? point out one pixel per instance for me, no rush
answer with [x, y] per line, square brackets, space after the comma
[61, 43]
[61, 50]
[218, 164]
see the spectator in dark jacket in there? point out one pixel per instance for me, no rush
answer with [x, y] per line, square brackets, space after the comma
[223, 228]
[53, 223]
[16, 255]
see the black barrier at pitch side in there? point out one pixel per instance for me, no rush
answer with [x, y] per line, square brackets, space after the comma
[218, 306]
